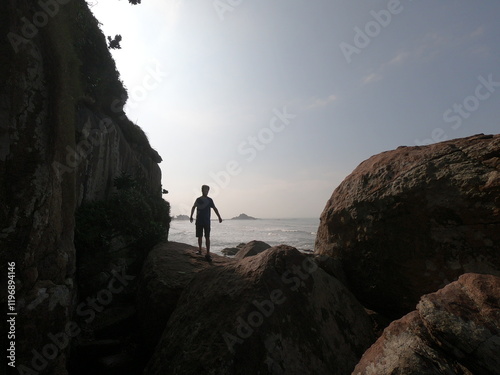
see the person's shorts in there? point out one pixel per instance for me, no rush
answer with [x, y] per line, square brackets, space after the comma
[200, 228]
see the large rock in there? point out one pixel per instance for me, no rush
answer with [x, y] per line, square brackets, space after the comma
[407, 222]
[273, 313]
[231, 251]
[168, 269]
[453, 331]
[252, 248]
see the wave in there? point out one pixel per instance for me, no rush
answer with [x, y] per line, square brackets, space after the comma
[298, 233]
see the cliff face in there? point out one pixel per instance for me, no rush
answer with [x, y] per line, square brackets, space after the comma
[62, 141]
[102, 152]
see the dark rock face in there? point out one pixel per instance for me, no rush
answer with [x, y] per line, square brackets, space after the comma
[106, 153]
[251, 248]
[408, 221]
[167, 271]
[36, 206]
[273, 313]
[453, 331]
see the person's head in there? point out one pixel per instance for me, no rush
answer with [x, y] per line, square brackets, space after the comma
[205, 189]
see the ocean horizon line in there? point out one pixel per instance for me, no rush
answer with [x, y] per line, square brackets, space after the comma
[256, 218]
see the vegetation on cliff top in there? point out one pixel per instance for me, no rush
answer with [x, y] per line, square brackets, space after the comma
[98, 81]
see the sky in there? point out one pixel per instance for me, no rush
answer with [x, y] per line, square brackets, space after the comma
[273, 103]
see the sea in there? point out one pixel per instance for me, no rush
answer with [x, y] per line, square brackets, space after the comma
[299, 233]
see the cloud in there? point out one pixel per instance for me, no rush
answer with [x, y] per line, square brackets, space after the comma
[399, 58]
[478, 32]
[371, 78]
[316, 103]
[431, 45]
[425, 50]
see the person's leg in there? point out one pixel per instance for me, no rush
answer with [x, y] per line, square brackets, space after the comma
[207, 239]
[207, 242]
[199, 234]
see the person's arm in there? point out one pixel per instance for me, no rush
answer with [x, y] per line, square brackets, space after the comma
[217, 213]
[192, 212]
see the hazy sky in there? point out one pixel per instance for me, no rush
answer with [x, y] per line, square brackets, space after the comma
[274, 103]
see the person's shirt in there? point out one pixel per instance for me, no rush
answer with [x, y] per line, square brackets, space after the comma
[203, 210]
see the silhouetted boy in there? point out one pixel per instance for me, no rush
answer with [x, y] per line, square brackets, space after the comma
[203, 206]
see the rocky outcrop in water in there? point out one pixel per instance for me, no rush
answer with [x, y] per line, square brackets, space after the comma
[231, 251]
[243, 217]
[409, 221]
[252, 248]
[453, 331]
[273, 313]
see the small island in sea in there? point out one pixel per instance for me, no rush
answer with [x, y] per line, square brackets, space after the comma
[244, 217]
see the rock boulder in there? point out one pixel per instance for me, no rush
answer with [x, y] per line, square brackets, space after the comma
[453, 331]
[231, 251]
[409, 221]
[251, 248]
[273, 313]
[168, 269]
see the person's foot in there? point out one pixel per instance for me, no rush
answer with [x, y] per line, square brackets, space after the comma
[198, 252]
[208, 258]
